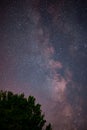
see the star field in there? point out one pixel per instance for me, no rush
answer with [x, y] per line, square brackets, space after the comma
[43, 52]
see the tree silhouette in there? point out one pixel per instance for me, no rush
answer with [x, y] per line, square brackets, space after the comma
[20, 113]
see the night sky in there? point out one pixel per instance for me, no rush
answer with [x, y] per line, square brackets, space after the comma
[43, 52]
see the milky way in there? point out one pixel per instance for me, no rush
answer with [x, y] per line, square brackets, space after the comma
[43, 52]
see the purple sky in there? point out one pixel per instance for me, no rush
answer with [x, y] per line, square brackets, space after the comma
[43, 52]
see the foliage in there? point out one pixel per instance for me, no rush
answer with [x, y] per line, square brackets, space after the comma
[20, 113]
